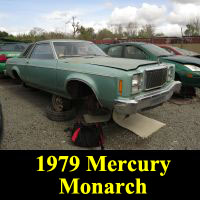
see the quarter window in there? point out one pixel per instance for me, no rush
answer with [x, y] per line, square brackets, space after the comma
[42, 51]
[26, 52]
[115, 51]
[134, 53]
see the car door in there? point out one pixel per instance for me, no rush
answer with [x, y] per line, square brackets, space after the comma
[22, 61]
[42, 67]
[133, 52]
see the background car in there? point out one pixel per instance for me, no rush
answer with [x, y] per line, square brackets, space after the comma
[187, 68]
[10, 50]
[180, 51]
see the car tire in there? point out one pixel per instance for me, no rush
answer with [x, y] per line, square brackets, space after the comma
[188, 91]
[60, 116]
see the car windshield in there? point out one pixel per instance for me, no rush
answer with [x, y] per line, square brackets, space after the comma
[76, 49]
[18, 47]
[156, 50]
[186, 52]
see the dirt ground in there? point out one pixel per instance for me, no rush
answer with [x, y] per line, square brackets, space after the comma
[26, 126]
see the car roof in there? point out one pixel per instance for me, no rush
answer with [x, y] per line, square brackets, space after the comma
[129, 43]
[63, 40]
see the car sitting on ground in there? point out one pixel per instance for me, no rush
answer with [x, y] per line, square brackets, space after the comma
[187, 68]
[9, 50]
[180, 51]
[75, 69]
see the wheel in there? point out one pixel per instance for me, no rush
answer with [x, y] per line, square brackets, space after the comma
[60, 116]
[187, 91]
[60, 104]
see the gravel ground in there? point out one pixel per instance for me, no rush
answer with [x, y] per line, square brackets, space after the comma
[26, 126]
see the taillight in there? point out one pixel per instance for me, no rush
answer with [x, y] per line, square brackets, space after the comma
[3, 58]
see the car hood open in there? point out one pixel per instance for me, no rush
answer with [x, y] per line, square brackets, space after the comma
[183, 59]
[118, 63]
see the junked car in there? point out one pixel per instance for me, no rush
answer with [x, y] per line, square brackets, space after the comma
[10, 50]
[180, 51]
[74, 69]
[187, 68]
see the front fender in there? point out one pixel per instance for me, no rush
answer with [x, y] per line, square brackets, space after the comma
[88, 80]
[102, 86]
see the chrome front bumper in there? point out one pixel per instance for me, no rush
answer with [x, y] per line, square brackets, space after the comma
[148, 100]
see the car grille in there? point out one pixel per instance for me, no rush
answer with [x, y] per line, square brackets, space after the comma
[155, 78]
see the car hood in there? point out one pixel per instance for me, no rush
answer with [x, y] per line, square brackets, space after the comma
[183, 59]
[10, 54]
[118, 63]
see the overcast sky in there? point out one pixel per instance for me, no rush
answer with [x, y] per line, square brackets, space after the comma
[168, 16]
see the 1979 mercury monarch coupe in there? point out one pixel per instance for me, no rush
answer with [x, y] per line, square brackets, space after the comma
[73, 69]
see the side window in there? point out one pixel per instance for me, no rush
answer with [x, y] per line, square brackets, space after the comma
[42, 51]
[115, 51]
[134, 53]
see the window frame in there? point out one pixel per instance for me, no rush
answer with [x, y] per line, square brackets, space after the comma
[41, 43]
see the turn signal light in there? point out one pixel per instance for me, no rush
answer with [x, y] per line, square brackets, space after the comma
[189, 75]
[120, 87]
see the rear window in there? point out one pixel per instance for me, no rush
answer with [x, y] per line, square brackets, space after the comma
[18, 47]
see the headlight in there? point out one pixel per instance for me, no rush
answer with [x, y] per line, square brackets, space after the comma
[171, 73]
[137, 83]
[193, 68]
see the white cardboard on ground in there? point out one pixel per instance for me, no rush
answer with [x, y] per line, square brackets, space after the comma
[138, 124]
[96, 119]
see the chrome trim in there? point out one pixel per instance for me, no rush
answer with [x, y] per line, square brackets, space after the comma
[148, 100]
[54, 51]
[145, 77]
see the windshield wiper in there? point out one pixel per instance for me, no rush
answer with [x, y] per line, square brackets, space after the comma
[69, 56]
[96, 55]
[165, 55]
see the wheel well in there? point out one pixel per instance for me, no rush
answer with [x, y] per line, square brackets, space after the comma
[78, 89]
[15, 75]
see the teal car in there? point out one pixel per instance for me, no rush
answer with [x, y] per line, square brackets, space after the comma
[187, 68]
[9, 50]
[75, 69]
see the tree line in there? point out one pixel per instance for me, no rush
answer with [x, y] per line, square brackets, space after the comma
[130, 30]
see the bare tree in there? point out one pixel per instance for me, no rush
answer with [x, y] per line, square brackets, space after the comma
[147, 31]
[193, 27]
[75, 26]
[131, 29]
[36, 31]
